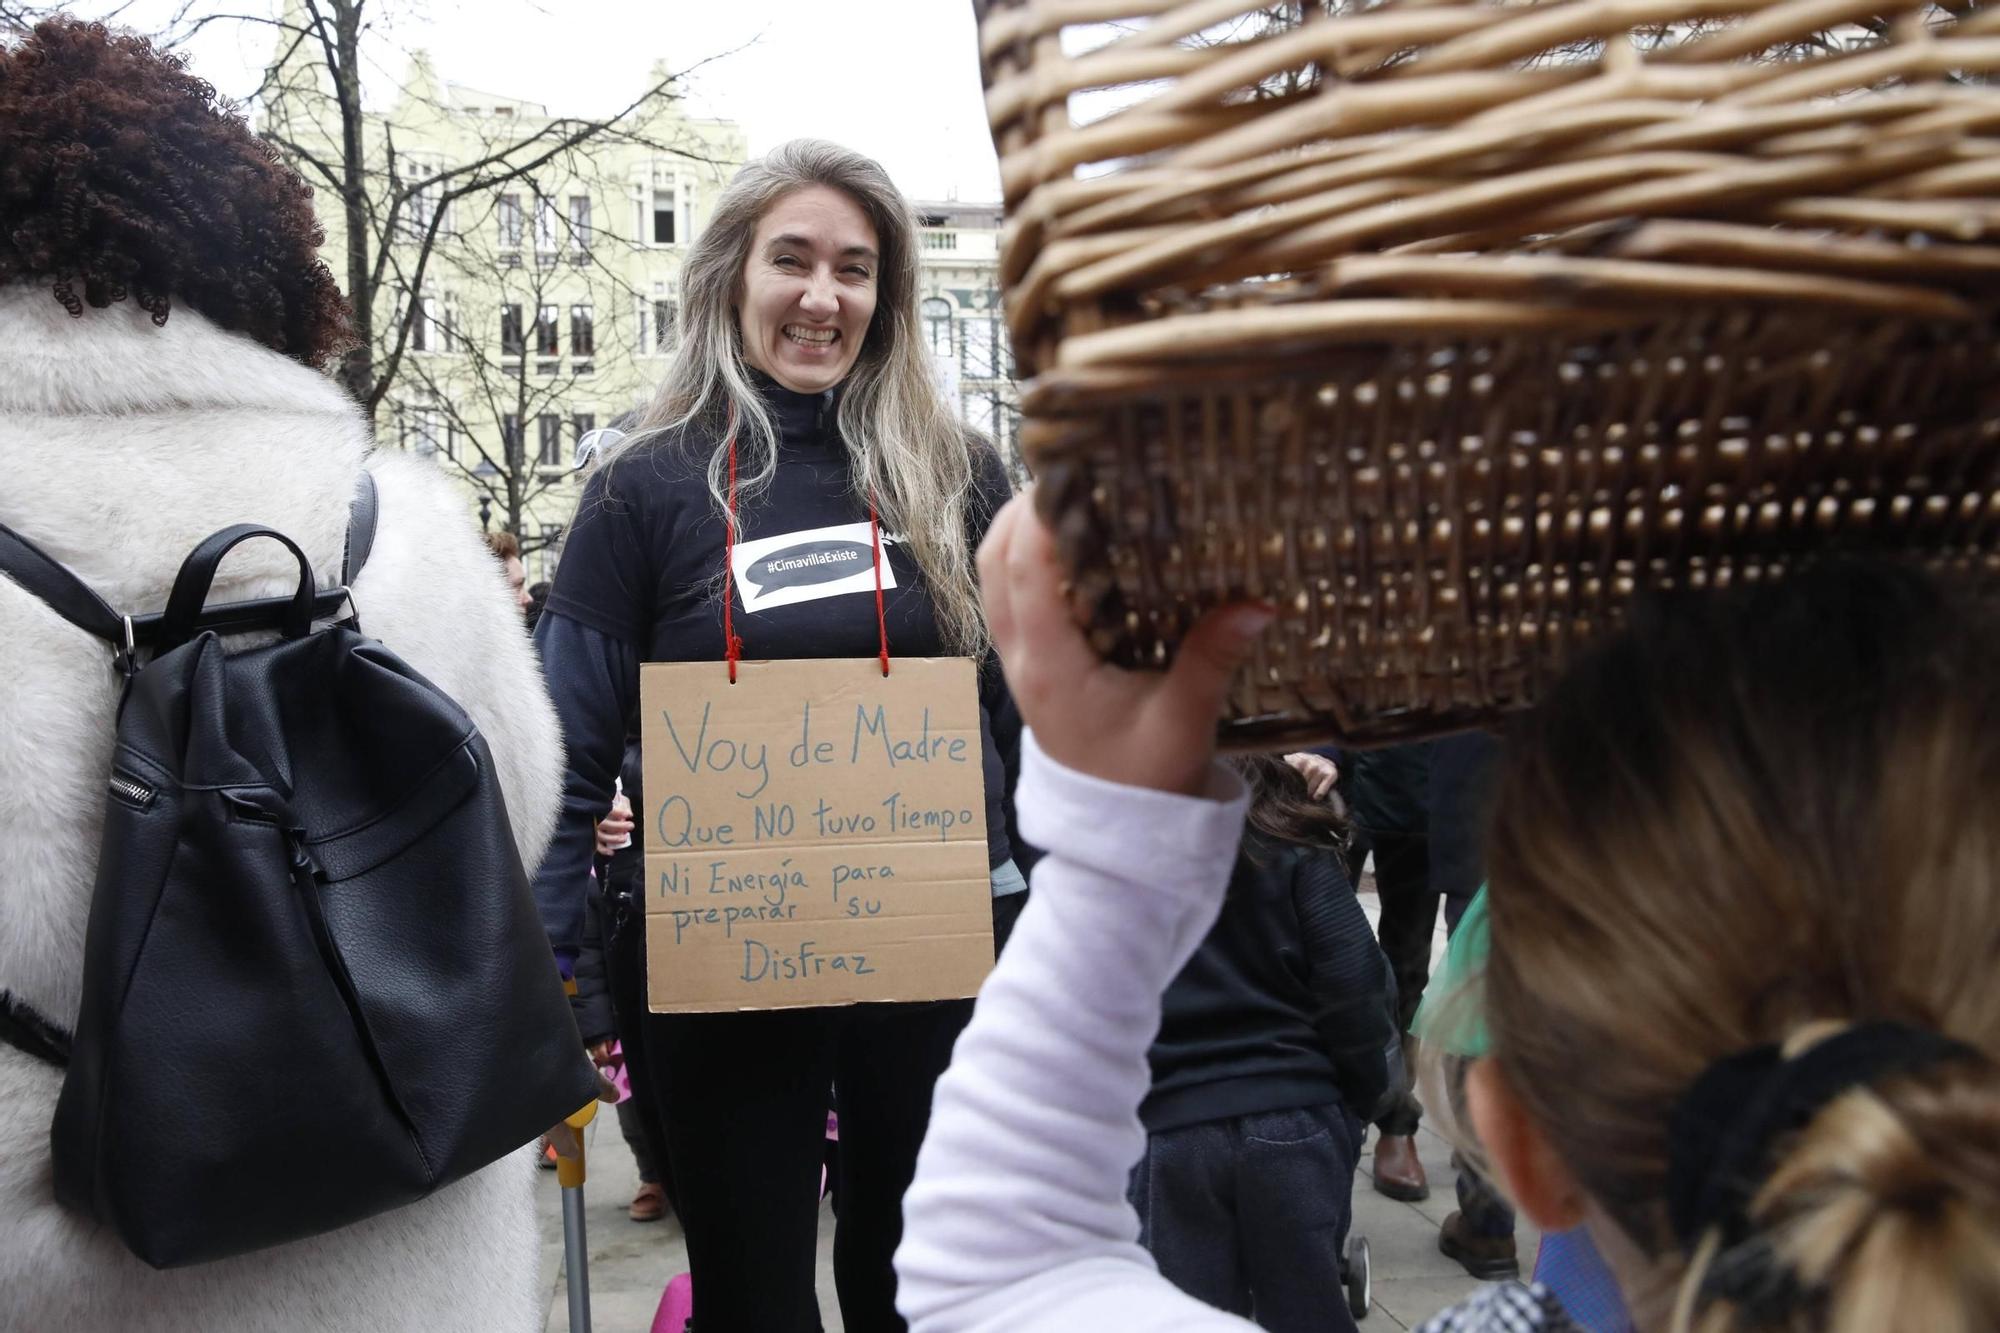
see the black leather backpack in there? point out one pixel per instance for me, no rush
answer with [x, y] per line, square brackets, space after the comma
[315, 985]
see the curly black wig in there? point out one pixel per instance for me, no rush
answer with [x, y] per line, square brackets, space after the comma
[122, 175]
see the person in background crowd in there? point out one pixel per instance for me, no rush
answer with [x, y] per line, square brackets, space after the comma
[1480, 1234]
[1745, 902]
[538, 597]
[1418, 808]
[1567, 1263]
[1390, 819]
[506, 548]
[1272, 1046]
[618, 903]
[165, 322]
[800, 401]
[1398, 1171]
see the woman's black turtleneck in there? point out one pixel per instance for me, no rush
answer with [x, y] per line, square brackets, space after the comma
[640, 580]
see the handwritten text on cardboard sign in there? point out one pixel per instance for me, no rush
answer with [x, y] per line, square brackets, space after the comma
[816, 834]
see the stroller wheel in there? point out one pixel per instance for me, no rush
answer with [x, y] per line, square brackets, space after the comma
[1355, 1277]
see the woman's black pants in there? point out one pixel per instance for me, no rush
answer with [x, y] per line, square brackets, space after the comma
[744, 1098]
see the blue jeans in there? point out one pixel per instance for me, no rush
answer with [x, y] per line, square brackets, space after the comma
[1251, 1214]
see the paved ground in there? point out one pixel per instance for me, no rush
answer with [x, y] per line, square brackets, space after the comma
[631, 1262]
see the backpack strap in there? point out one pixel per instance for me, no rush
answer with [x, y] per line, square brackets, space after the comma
[69, 596]
[360, 528]
[30, 1033]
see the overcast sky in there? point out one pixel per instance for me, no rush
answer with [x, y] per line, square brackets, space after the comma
[896, 79]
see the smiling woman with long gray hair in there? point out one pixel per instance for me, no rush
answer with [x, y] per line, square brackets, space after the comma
[801, 421]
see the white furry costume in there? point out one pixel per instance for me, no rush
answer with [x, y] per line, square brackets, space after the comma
[122, 445]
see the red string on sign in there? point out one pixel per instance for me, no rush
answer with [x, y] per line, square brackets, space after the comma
[881, 615]
[732, 647]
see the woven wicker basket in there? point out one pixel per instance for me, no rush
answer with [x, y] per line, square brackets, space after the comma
[1450, 327]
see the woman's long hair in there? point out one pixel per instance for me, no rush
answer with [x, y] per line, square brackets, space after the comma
[909, 452]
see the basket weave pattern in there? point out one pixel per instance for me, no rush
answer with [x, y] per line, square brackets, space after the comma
[1450, 328]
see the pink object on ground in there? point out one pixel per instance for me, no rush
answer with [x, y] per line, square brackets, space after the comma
[619, 1074]
[676, 1306]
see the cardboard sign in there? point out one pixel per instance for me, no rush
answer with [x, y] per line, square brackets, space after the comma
[815, 834]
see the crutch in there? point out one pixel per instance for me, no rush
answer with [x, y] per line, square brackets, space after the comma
[576, 1247]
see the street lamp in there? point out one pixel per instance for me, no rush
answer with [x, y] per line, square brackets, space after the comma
[484, 473]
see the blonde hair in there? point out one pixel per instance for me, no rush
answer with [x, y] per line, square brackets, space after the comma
[909, 452]
[1760, 819]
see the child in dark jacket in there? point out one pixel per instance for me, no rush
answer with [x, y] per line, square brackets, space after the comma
[1272, 1052]
[610, 999]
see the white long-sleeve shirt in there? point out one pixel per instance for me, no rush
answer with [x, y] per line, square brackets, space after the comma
[1018, 1219]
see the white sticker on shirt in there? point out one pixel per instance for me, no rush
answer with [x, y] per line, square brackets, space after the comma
[806, 566]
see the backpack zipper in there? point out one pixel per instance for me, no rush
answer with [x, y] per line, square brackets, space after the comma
[308, 876]
[131, 792]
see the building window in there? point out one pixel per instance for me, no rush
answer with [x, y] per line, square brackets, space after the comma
[510, 222]
[419, 326]
[549, 428]
[579, 225]
[425, 201]
[433, 325]
[428, 435]
[511, 341]
[666, 312]
[545, 230]
[666, 206]
[978, 335]
[510, 439]
[447, 325]
[417, 210]
[582, 331]
[547, 340]
[582, 423]
[936, 313]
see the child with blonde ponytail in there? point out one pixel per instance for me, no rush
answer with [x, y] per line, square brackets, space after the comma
[1748, 855]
